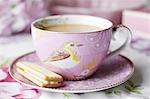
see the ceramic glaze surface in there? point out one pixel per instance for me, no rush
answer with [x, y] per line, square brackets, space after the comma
[71, 54]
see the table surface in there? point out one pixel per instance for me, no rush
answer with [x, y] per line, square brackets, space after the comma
[138, 87]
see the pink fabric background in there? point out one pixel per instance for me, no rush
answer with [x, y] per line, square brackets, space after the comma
[110, 9]
[16, 15]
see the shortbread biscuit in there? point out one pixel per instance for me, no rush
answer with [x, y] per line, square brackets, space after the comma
[39, 75]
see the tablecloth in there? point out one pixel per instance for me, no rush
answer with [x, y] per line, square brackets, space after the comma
[138, 87]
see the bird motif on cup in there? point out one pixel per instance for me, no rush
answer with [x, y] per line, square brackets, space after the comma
[67, 56]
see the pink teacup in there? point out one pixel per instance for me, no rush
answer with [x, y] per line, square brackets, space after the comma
[76, 56]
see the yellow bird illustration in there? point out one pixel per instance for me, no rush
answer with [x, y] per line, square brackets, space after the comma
[71, 51]
[67, 56]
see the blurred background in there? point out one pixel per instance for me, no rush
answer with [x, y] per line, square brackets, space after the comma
[17, 15]
[15, 38]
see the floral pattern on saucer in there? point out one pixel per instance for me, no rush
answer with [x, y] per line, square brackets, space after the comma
[113, 72]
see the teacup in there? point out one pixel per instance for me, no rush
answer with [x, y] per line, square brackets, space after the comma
[76, 55]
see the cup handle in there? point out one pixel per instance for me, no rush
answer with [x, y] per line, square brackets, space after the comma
[121, 38]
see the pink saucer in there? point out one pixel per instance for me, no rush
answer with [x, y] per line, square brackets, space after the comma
[114, 72]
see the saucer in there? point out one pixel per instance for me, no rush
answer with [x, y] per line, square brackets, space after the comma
[113, 72]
